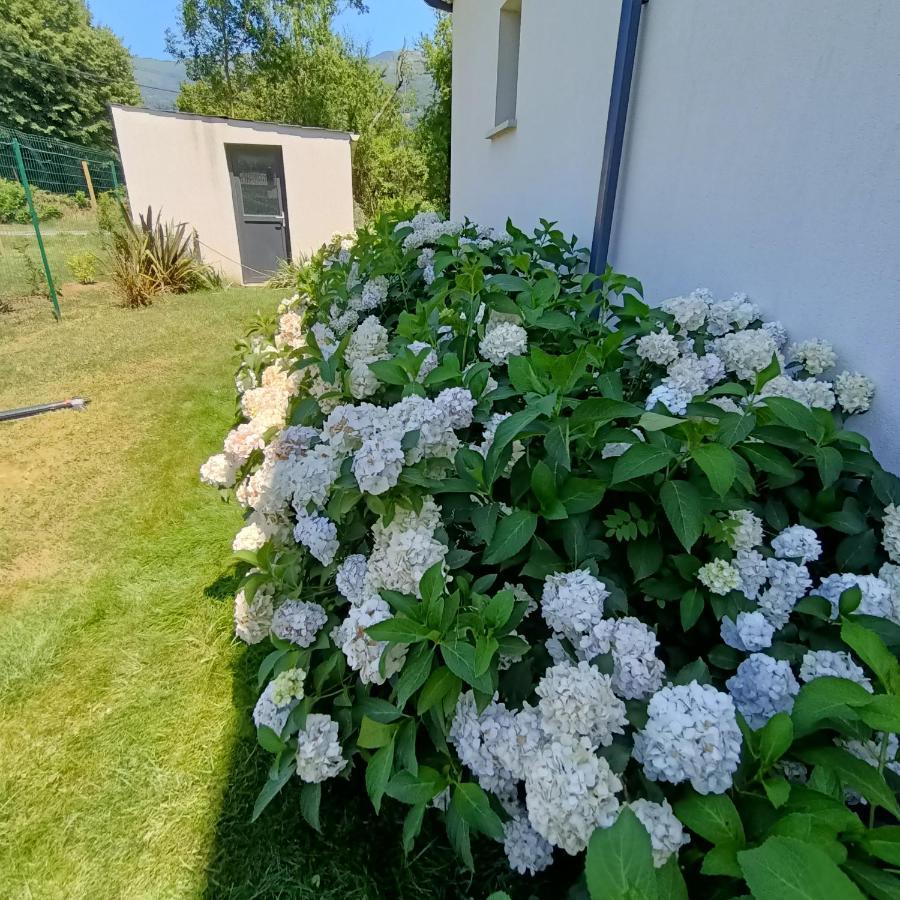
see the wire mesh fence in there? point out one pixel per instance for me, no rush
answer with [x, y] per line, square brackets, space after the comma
[56, 201]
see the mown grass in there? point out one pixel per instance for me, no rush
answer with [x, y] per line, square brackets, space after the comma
[127, 765]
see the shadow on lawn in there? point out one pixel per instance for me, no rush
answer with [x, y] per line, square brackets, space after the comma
[358, 855]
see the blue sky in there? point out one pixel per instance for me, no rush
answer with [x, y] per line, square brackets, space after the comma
[142, 23]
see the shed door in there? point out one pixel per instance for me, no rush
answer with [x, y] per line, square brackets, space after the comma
[257, 187]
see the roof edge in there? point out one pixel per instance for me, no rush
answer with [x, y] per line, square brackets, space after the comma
[175, 113]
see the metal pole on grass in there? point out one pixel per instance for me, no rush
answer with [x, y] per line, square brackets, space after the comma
[20, 165]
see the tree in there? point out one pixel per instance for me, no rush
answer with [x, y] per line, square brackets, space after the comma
[294, 68]
[433, 130]
[58, 72]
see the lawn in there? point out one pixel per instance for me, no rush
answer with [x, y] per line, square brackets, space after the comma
[127, 765]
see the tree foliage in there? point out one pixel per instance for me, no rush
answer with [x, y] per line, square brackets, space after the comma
[58, 71]
[433, 129]
[283, 61]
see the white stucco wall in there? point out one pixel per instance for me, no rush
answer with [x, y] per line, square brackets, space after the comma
[762, 155]
[177, 164]
[549, 165]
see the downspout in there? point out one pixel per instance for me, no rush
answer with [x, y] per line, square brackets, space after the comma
[623, 69]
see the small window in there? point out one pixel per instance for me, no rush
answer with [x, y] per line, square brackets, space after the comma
[508, 61]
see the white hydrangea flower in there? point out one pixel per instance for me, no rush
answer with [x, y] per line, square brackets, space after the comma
[525, 849]
[728, 315]
[501, 341]
[299, 622]
[890, 539]
[637, 672]
[243, 440]
[690, 312]
[270, 713]
[363, 653]
[890, 575]
[854, 392]
[490, 430]
[352, 579]
[726, 404]
[691, 735]
[476, 738]
[788, 582]
[319, 750]
[219, 471]
[374, 293]
[310, 476]
[762, 687]
[870, 752]
[745, 530]
[578, 701]
[342, 322]
[693, 375]
[750, 632]
[840, 664]
[253, 620]
[877, 597]
[615, 449]
[814, 355]
[572, 603]
[794, 771]
[667, 835]
[405, 550]
[251, 537]
[522, 596]
[819, 393]
[288, 686]
[720, 576]
[363, 382]
[746, 353]
[797, 542]
[659, 347]
[515, 744]
[377, 464]
[425, 262]
[266, 406]
[319, 536]
[458, 405]
[291, 332]
[777, 331]
[368, 342]
[569, 792]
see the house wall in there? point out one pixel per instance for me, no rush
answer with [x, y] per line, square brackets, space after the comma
[549, 165]
[177, 165]
[762, 155]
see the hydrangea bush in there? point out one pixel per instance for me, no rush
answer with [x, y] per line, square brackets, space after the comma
[569, 571]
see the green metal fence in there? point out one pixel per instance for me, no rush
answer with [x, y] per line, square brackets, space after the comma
[55, 200]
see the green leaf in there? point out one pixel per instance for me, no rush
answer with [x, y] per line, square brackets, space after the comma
[853, 773]
[472, 804]
[721, 860]
[883, 843]
[734, 428]
[507, 431]
[378, 772]
[523, 377]
[645, 556]
[796, 415]
[882, 713]
[416, 788]
[399, 630]
[829, 462]
[600, 411]
[460, 659]
[876, 883]
[268, 740]
[775, 739]
[684, 510]
[415, 672]
[485, 648]
[652, 421]
[458, 832]
[373, 735]
[670, 882]
[778, 790]
[389, 372]
[640, 459]
[872, 651]
[412, 825]
[512, 534]
[440, 683]
[717, 463]
[379, 710]
[772, 370]
[310, 800]
[823, 699]
[431, 584]
[543, 485]
[271, 789]
[856, 552]
[619, 864]
[580, 495]
[786, 867]
[692, 603]
[712, 816]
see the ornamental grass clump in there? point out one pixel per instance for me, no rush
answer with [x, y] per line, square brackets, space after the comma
[567, 571]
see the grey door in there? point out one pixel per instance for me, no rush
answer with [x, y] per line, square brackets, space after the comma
[257, 188]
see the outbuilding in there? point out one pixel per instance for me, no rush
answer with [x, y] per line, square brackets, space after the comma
[256, 193]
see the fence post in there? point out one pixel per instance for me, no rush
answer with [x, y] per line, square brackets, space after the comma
[115, 177]
[20, 165]
[89, 183]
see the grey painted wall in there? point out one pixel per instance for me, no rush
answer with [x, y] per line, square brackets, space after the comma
[763, 155]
